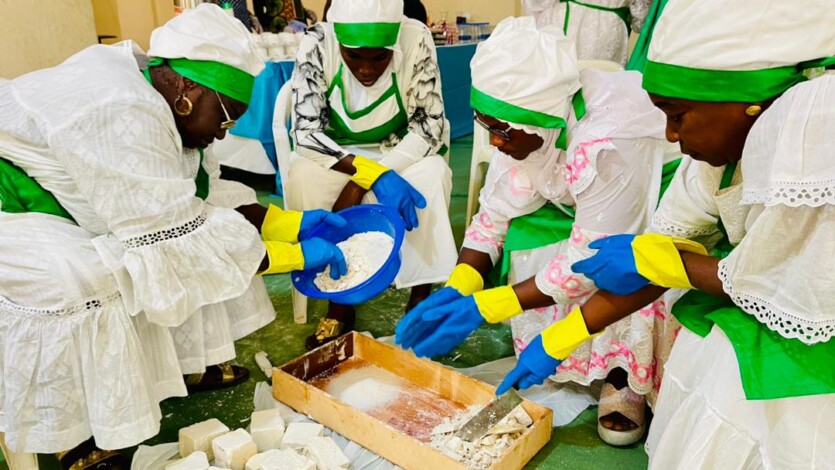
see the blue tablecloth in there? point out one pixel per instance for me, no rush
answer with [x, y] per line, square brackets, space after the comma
[257, 122]
[454, 62]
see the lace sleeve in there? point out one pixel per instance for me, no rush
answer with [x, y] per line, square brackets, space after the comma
[508, 193]
[311, 113]
[777, 275]
[687, 210]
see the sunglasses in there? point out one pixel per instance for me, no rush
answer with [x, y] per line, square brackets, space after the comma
[229, 122]
[500, 133]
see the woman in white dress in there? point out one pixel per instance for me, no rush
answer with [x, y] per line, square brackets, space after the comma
[123, 264]
[750, 383]
[369, 77]
[600, 28]
[572, 165]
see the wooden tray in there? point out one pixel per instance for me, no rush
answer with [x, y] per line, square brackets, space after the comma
[291, 386]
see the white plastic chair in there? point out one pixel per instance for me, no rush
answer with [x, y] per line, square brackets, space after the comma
[483, 151]
[16, 460]
[283, 149]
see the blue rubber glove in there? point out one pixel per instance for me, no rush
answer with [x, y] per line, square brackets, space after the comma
[455, 321]
[612, 268]
[413, 326]
[626, 263]
[316, 217]
[319, 253]
[534, 366]
[394, 191]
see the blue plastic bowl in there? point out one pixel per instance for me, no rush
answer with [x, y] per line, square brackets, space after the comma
[362, 218]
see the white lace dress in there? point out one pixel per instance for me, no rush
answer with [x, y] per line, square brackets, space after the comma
[612, 176]
[780, 213]
[100, 318]
[600, 35]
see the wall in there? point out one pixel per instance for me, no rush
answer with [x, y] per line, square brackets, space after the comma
[35, 34]
[491, 11]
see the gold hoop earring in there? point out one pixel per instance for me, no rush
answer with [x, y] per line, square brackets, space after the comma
[189, 106]
[754, 110]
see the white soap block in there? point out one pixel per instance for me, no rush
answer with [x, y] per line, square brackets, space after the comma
[297, 434]
[280, 460]
[267, 429]
[197, 460]
[326, 454]
[232, 450]
[199, 437]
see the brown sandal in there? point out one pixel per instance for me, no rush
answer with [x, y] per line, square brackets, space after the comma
[206, 381]
[328, 330]
[87, 456]
[628, 404]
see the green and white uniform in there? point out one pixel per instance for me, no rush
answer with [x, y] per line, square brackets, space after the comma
[401, 117]
[751, 382]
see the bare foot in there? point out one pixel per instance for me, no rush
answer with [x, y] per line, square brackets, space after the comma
[616, 421]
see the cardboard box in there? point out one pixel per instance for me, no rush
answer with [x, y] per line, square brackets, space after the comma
[291, 387]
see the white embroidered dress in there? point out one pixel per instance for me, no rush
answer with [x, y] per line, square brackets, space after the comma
[599, 35]
[100, 318]
[780, 212]
[611, 175]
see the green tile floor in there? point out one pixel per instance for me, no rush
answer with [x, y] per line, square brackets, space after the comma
[575, 446]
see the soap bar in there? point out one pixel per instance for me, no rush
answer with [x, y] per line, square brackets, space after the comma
[326, 454]
[233, 449]
[297, 434]
[279, 460]
[197, 460]
[267, 429]
[199, 437]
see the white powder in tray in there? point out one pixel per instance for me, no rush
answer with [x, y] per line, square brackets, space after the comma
[365, 253]
[366, 388]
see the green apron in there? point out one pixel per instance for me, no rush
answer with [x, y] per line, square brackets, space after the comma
[770, 365]
[19, 193]
[344, 129]
[550, 225]
[622, 13]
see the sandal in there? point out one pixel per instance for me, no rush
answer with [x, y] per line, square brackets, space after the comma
[328, 330]
[628, 404]
[206, 381]
[87, 456]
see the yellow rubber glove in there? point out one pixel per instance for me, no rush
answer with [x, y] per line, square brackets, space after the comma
[465, 279]
[497, 304]
[281, 225]
[367, 171]
[657, 258]
[564, 336]
[284, 257]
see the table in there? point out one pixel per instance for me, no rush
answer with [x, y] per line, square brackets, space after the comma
[456, 79]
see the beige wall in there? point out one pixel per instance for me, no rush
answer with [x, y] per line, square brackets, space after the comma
[41, 33]
[491, 11]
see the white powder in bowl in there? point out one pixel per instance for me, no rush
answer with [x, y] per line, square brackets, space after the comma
[365, 253]
[366, 388]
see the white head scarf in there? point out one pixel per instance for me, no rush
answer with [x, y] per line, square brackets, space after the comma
[366, 23]
[736, 50]
[527, 77]
[208, 35]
